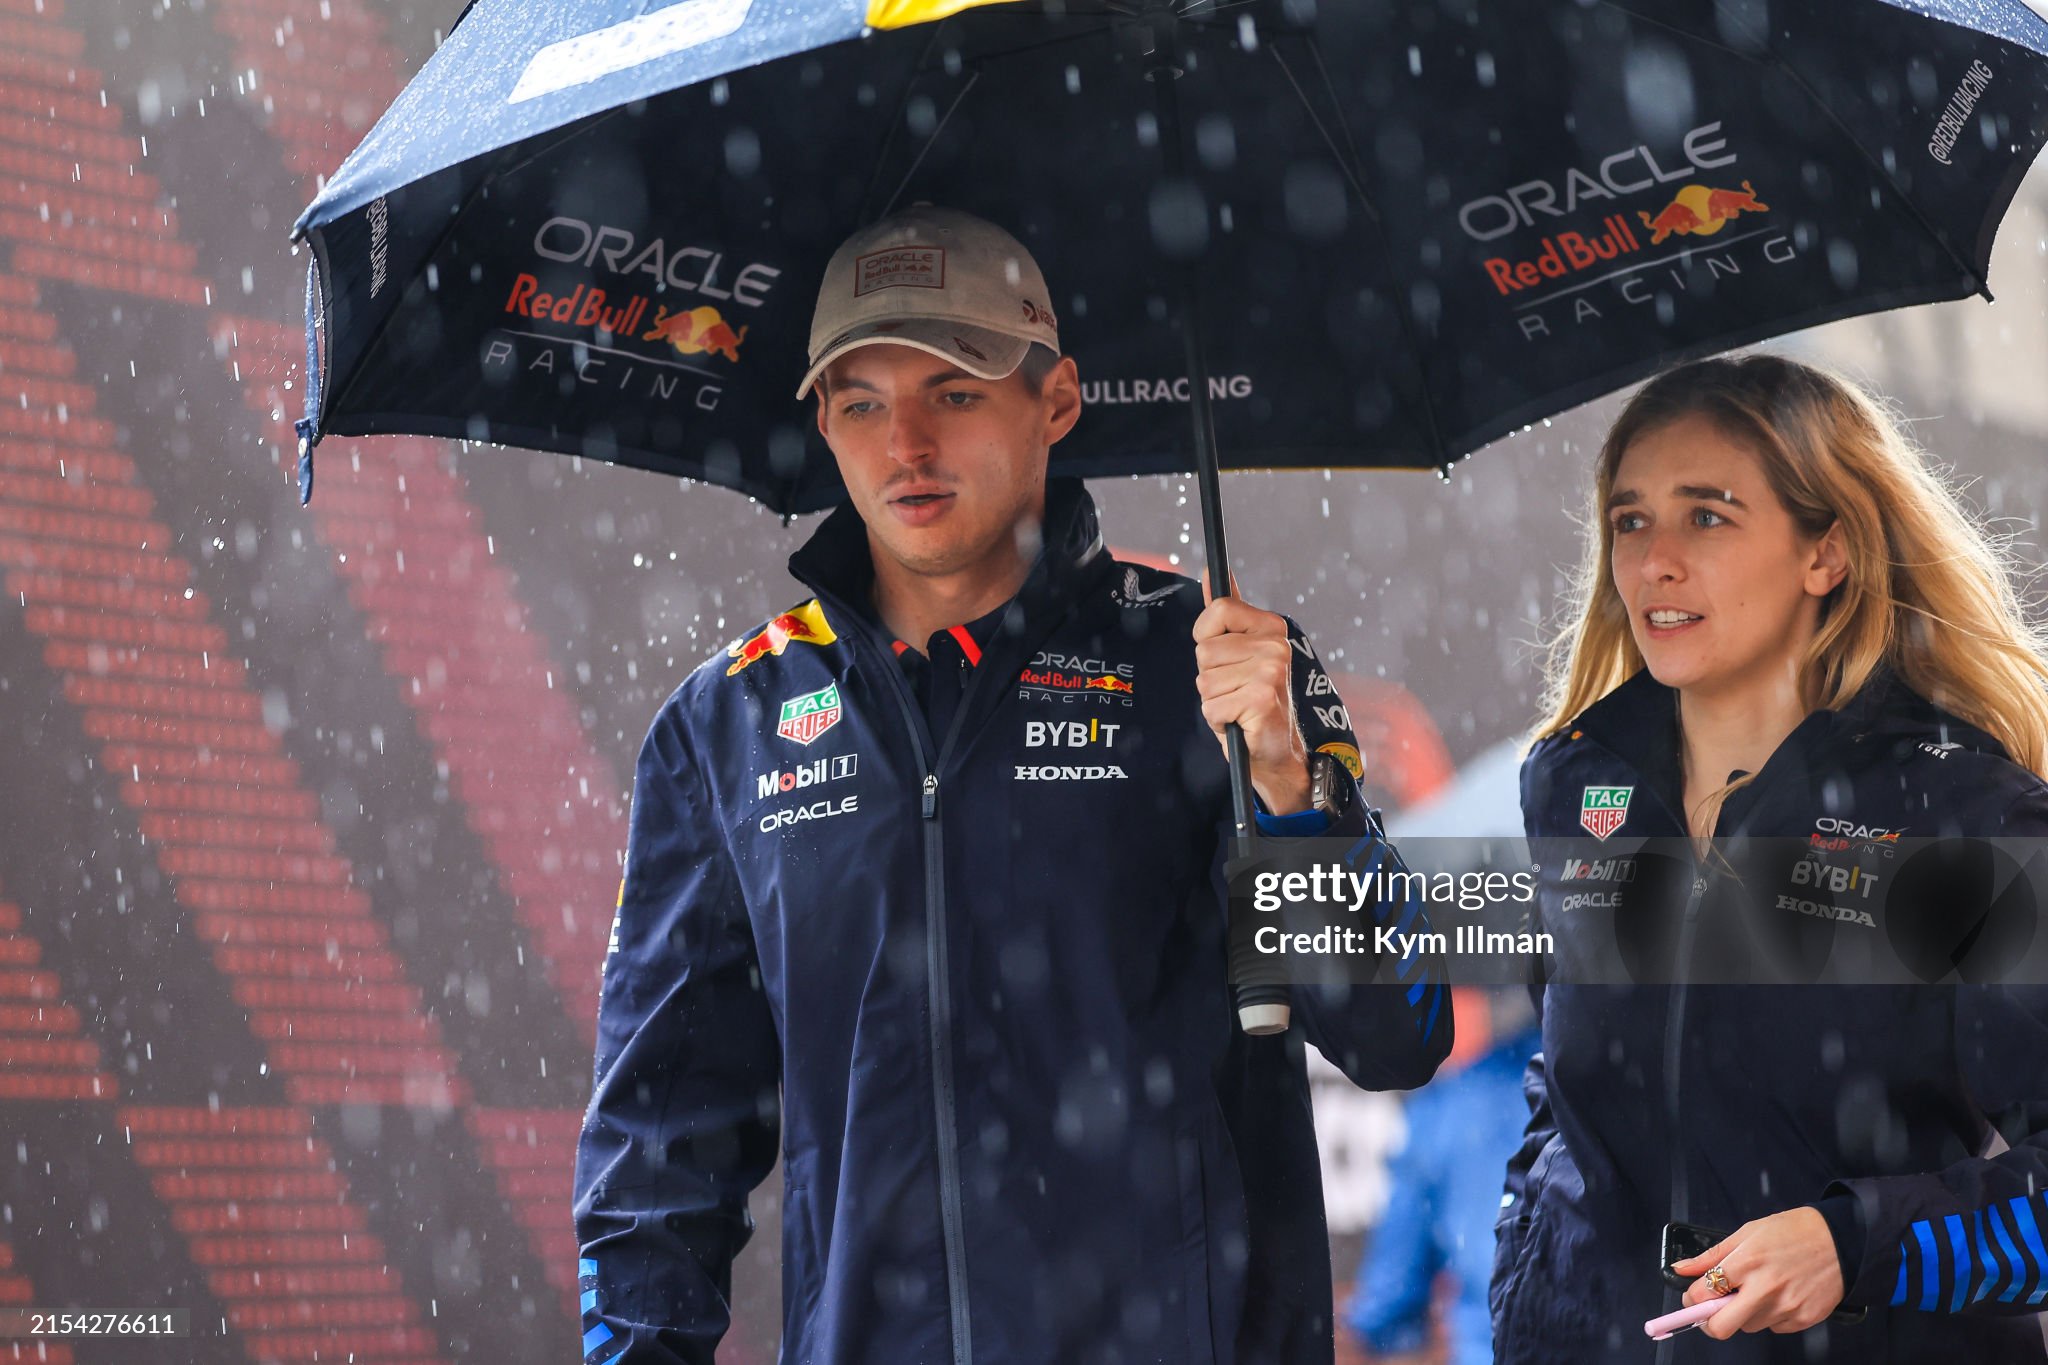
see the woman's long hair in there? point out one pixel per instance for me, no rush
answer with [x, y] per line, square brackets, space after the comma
[1928, 592]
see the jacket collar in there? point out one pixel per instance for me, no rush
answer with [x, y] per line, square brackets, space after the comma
[835, 562]
[1072, 561]
[1638, 721]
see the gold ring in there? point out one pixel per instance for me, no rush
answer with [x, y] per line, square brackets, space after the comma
[1717, 1280]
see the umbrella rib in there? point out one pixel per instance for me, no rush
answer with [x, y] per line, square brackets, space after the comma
[1315, 50]
[896, 121]
[1418, 350]
[1778, 63]
[930, 139]
[1940, 237]
[922, 65]
[1344, 163]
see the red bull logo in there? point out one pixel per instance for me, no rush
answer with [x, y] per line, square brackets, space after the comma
[1054, 676]
[582, 306]
[1565, 254]
[1699, 211]
[806, 623]
[696, 331]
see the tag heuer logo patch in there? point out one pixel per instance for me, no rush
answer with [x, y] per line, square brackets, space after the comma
[1603, 809]
[805, 718]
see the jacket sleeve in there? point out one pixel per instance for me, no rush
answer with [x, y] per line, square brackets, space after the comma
[684, 1118]
[1383, 1036]
[1973, 1237]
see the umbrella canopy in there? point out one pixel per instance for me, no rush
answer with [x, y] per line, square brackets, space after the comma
[1414, 228]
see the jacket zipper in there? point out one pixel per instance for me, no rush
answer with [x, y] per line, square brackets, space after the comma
[1674, 1029]
[939, 999]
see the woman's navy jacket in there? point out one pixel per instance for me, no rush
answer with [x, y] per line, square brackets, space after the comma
[1878, 1105]
[986, 969]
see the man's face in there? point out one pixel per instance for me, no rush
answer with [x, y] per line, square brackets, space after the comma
[942, 466]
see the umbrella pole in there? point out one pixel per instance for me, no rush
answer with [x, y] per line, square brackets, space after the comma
[1262, 1005]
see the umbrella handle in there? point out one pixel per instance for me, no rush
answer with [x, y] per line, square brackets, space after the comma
[1262, 1006]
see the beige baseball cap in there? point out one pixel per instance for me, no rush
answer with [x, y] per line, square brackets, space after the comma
[938, 279]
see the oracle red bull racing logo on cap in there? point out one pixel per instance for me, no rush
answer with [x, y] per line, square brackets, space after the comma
[1602, 810]
[900, 267]
[804, 718]
[806, 623]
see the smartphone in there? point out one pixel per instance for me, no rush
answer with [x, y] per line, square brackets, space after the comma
[1683, 1241]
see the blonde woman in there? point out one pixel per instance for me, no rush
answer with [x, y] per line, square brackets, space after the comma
[1786, 626]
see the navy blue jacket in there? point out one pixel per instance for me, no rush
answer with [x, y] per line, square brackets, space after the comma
[1017, 1120]
[1877, 1105]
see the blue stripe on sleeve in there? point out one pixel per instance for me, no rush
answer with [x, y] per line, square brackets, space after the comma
[1993, 1271]
[1409, 964]
[2012, 1257]
[1436, 1004]
[2030, 1233]
[1899, 1290]
[1410, 910]
[585, 1266]
[594, 1338]
[1930, 1266]
[1960, 1247]
[1299, 824]
[590, 1300]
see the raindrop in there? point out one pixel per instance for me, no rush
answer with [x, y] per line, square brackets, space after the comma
[1216, 142]
[1657, 84]
[742, 151]
[1842, 263]
[1179, 219]
[1314, 200]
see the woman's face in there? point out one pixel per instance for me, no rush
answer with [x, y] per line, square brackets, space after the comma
[1723, 590]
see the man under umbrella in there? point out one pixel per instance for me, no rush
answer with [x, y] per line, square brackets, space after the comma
[939, 851]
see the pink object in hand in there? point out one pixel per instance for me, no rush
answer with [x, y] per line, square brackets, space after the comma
[1671, 1323]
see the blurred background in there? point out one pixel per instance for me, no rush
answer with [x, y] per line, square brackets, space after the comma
[402, 723]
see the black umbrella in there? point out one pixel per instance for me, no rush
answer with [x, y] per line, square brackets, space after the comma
[1350, 234]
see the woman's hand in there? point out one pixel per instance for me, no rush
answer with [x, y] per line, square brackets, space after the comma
[1783, 1269]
